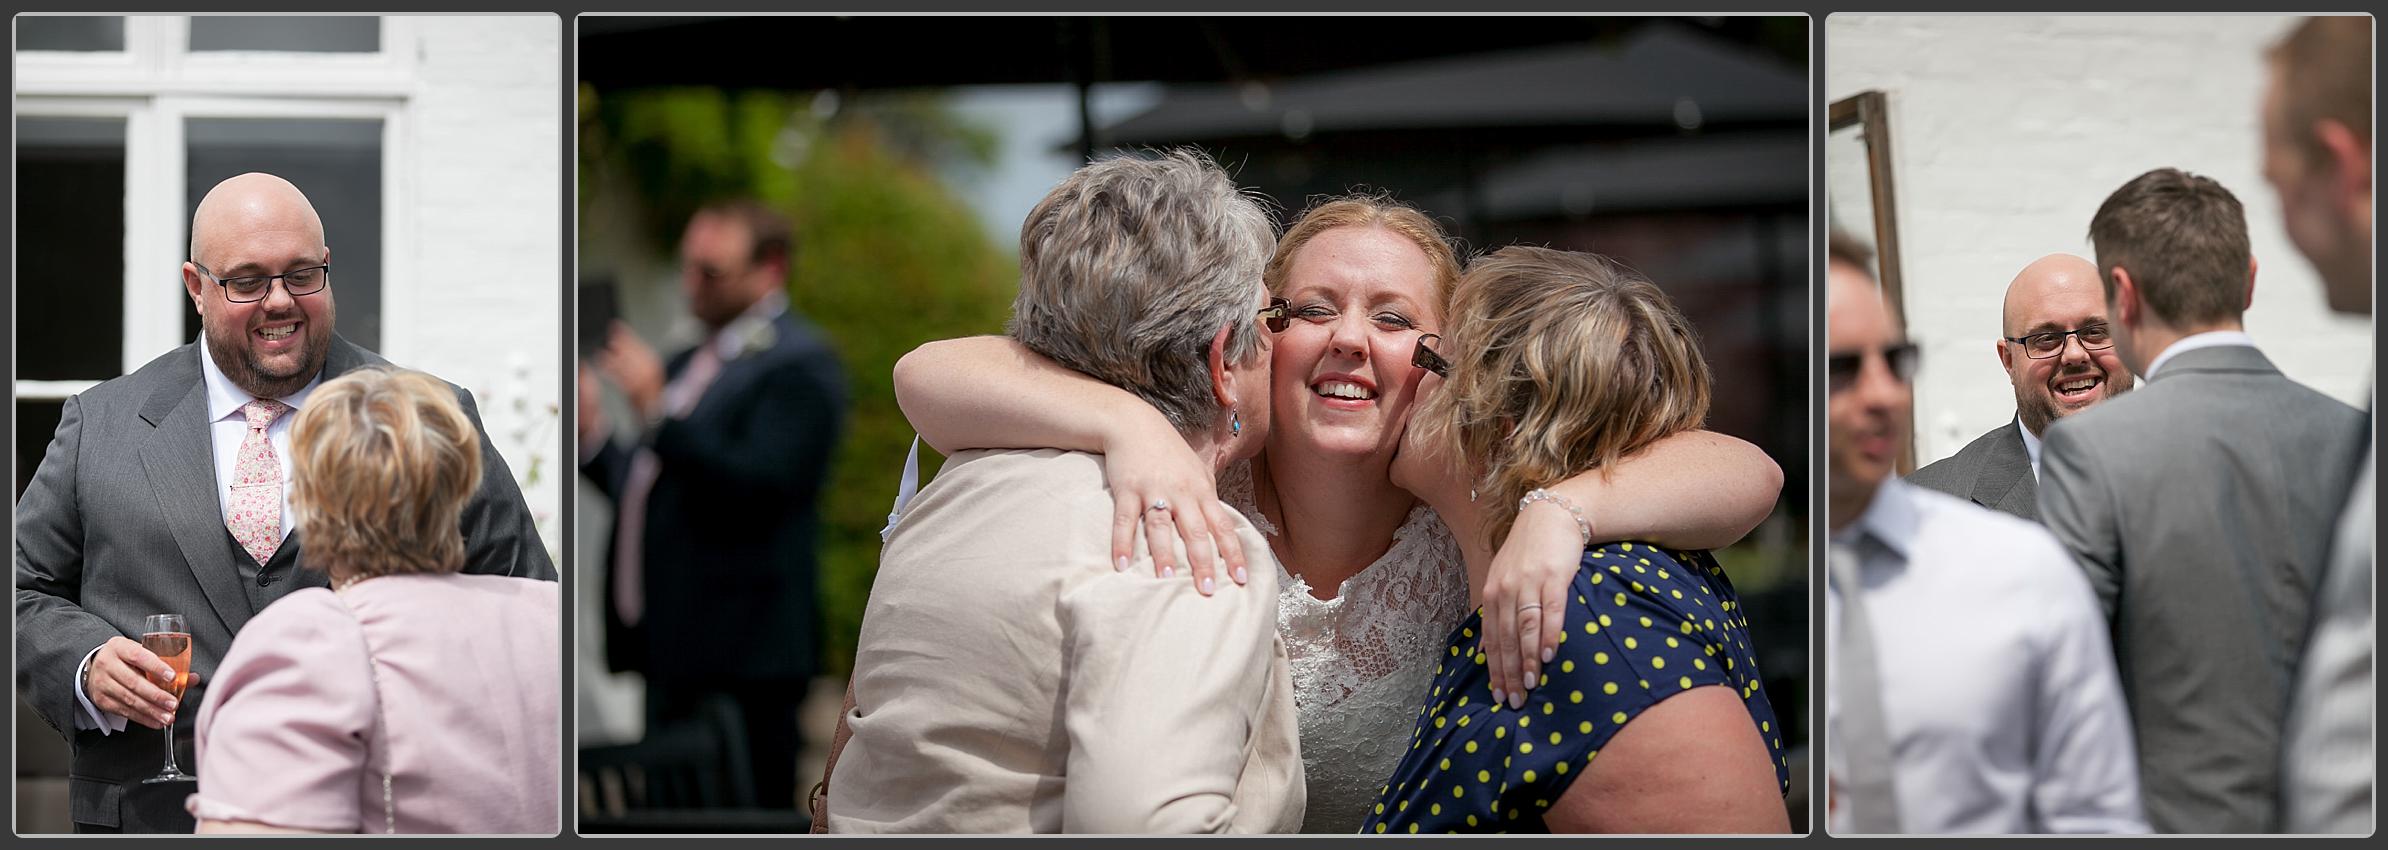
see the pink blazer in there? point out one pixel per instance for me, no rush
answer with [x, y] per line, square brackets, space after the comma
[447, 684]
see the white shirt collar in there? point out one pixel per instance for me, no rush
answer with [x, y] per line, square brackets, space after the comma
[731, 340]
[1890, 518]
[2031, 446]
[224, 398]
[2192, 342]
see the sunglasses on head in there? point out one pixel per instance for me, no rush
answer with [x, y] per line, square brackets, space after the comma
[1425, 358]
[1840, 370]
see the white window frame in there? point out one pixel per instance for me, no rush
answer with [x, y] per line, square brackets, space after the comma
[156, 84]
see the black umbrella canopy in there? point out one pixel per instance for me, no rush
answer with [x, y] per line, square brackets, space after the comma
[825, 52]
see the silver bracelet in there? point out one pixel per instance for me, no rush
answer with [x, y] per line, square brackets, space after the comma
[1540, 495]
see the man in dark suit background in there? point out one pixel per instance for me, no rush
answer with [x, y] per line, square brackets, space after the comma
[160, 494]
[2201, 504]
[2057, 351]
[710, 583]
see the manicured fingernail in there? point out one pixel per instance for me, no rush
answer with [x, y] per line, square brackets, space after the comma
[1525, 675]
[1240, 577]
[1517, 700]
[1206, 587]
[1547, 653]
[1169, 572]
[1120, 563]
[1499, 697]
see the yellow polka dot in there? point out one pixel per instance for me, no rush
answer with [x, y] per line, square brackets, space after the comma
[1455, 652]
[1637, 586]
[1627, 547]
[1525, 748]
[1600, 658]
[1471, 746]
[1484, 776]
[1480, 658]
[1645, 622]
[1380, 808]
[1413, 829]
[1687, 627]
[1620, 597]
[1591, 628]
[1567, 666]
[1500, 731]
[1463, 720]
[1446, 765]
[1610, 689]
[1765, 726]
[1630, 643]
[1544, 680]
[1529, 776]
[1435, 809]
[1584, 727]
[1663, 574]
[1560, 768]
[1405, 806]
[1438, 723]
[1471, 820]
[1595, 578]
[1523, 722]
[1463, 700]
[1618, 718]
[1645, 684]
[1457, 793]
[1698, 664]
[1686, 682]
[1604, 619]
[1657, 663]
[1466, 633]
[1380, 827]
[1575, 696]
[1548, 708]
[1671, 644]
[1554, 739]
[1677, 593]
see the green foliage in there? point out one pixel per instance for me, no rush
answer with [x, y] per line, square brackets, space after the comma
[887, 258]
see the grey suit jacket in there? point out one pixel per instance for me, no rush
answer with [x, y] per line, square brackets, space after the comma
[2201, 506]
[1993, 471]
[122, 521]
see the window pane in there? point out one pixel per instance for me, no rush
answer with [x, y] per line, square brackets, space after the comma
[70, 219]
[287, 33]
[337, 163]
[70, 32]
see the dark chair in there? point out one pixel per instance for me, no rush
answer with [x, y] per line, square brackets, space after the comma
[690, 776]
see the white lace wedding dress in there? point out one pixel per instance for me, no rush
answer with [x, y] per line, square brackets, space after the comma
[1362, 660]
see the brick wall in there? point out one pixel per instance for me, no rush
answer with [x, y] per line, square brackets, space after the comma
[2007, 132]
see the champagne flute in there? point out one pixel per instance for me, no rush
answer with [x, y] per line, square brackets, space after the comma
[166, 636]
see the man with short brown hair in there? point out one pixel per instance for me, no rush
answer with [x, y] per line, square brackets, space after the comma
[2200, 504]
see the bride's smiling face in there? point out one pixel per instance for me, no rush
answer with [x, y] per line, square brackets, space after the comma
[1341, 381]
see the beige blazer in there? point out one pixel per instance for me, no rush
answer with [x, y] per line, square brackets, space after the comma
[1008, 679]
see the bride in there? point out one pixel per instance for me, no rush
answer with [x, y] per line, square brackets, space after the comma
[1374, 580]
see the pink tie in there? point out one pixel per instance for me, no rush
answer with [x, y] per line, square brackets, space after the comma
[630, 522]
[254, 511]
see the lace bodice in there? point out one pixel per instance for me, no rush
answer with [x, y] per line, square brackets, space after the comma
[1362, 660]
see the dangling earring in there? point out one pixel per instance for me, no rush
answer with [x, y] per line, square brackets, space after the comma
[1235, 424]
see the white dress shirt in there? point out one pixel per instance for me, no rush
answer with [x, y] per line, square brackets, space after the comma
[2031, 446]
[227, 427]
[1999, 689]
[2193, 342]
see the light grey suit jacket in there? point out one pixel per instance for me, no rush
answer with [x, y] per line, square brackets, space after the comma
[122, 520]
[2201, 506]
[1993, 471]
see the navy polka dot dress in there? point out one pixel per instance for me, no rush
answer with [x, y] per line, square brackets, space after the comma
[1642, 625]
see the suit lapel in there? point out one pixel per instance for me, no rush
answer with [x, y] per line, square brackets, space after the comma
[180, 460]
[2004, 482]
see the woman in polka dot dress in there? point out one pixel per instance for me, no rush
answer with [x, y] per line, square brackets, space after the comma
[1649, 716]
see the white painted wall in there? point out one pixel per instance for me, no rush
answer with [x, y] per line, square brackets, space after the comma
[2006, 134]
[476, 299]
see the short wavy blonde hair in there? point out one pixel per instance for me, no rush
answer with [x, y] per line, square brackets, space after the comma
[382, 463]
[1561, 363]
[1370, 210]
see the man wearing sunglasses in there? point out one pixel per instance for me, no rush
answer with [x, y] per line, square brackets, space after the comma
[2201, 505]
[2058, 351]
[1971, 687]
[167, 491]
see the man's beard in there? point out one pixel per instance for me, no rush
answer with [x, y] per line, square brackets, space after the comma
[241, 366]
[2038, 409]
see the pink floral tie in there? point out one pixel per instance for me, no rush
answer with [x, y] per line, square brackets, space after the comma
[254, 511]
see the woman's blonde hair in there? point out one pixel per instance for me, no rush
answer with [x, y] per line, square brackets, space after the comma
[382, 461]
[1560, 363]
[1367, 210]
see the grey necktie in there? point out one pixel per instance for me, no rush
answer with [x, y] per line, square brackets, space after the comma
[1860, 733]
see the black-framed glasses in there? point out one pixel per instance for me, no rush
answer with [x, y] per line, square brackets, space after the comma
[2041, 346]
[251, 288]
[1840, 370]
[1425, 358]
[1277, 315]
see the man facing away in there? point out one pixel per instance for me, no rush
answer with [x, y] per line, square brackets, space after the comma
[2200, 505]
[166, 491]
[2317, 156]
[2057, 350]
[1971, 688]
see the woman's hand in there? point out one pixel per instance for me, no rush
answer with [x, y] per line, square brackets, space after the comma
[1525, 598]
[1146, 469]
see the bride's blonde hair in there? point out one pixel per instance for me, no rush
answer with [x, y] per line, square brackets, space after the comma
[1561, 362]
